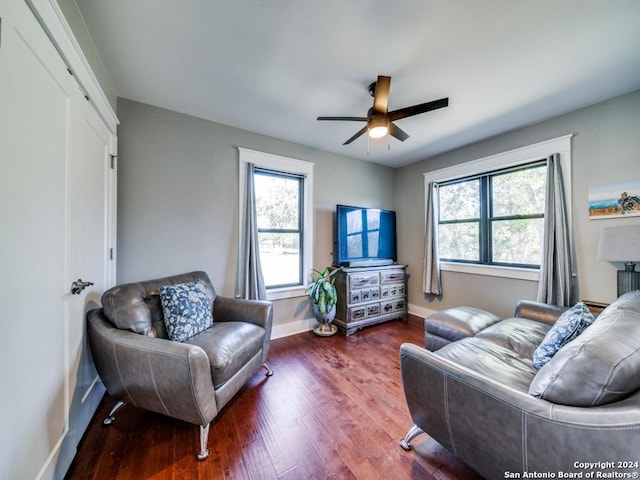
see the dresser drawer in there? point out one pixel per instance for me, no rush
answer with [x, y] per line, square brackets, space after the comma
[392, 290]
[391, 306]
[361, 280]
[357, 313]
[392, 276]
[365, 311]
[364, 295]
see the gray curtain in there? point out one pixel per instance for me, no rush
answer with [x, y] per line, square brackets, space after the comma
[432, 283]
[249, 280]
[556, 272]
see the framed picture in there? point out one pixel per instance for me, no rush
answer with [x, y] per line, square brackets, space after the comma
[614, 199]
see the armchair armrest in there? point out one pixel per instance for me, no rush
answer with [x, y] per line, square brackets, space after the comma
[228, 309]
[258, 312]
[167, 377]
[540, 312]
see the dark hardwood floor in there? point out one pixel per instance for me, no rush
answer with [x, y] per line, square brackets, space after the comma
[334, 409]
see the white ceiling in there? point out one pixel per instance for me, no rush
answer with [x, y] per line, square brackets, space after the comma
[273, 66]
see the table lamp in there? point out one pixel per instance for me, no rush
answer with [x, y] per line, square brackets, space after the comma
[622, 244]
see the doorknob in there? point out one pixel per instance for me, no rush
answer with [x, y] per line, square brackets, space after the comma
[79, 285]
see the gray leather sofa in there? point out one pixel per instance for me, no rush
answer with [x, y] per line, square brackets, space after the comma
[190, 380]
[480, 396]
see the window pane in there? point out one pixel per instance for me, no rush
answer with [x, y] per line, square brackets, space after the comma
[373, 219]
[354, 245]
[354, 222]
[280, 258]
[277, 201]
[460, 201]
[520, 192]
[373, 240]
[518, 241]
[460, 241]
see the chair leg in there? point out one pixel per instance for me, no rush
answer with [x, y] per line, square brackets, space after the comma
[269, 371]
[413, 432]
[204, 441]
[112, 414]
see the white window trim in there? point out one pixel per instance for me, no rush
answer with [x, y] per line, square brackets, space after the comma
[511, 158]
[287, 165]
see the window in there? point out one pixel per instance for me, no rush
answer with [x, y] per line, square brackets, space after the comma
[280, 227]
[507, 220]
[283, 196]
[495, 218]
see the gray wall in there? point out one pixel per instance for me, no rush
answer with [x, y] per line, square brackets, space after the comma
[606, 149]
[178, 196]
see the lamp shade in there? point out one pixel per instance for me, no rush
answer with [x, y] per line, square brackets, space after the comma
[620, 244]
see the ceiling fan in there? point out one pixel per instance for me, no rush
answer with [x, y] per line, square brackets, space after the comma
[379, 120]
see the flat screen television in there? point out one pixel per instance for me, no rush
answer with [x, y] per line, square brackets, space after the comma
[364, 237]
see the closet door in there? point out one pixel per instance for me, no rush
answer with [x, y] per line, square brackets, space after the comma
[91, 181]
[55, 182]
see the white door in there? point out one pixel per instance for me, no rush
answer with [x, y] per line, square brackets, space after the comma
[54, 222]
[91, 182]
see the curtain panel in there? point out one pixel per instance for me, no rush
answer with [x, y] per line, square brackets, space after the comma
[556, 269]
[432, 283]
[249, 280]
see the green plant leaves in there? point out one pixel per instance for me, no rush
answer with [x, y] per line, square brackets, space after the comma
[322, 291]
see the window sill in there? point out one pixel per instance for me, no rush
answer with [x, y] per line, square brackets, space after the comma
[492, 270]
[286, 292]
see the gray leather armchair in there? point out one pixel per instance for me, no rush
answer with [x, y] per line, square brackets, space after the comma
[190, 380]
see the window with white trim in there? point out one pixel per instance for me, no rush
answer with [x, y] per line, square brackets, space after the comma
[502, 265]
[280, 227]
[284, 209]
[495, 218]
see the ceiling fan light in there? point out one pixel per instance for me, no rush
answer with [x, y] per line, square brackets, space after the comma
[378, 127]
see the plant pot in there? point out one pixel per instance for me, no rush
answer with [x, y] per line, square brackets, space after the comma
[324, 327]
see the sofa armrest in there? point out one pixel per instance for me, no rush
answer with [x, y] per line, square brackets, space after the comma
[167, 377]
[540, 312]
[495, 428]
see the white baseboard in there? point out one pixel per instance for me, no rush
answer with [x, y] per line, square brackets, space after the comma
[307, 324]
[292, 328]
[420, 311]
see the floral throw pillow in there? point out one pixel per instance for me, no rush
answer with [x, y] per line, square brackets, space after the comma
[570, 324]
[186, 310]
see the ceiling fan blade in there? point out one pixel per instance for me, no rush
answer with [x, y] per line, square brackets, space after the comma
[360, 132]
[417, 109]
[381, 95]
[350, 119]
[397, 132]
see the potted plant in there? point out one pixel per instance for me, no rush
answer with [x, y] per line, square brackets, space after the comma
[323, 296]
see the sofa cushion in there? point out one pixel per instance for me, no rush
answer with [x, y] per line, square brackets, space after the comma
[455, 323]
[136, 306]
[491, 360]
[186, 310]
[601, 365]
[570, 324]
[229, 346]
[521, 335]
